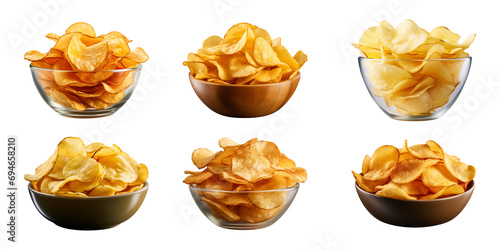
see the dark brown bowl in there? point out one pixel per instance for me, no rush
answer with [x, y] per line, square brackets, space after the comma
[88, 213]
[244, 100]
[414, 213]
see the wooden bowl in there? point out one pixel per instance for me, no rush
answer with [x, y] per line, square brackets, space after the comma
[244, 100]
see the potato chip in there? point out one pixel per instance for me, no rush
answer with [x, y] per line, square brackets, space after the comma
[77, 170]
[255, 214]
[250, 175]
[382, 163]
[367, 185]
[396, 193]
[223, 210]
[453, 189]
[409, 170]
[246, 55]
[414, 188]
[460, 170]
[423, 171]
[84, 67]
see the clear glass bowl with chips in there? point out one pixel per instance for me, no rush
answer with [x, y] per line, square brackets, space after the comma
[426, 94]
[85, 94]
[235, 210]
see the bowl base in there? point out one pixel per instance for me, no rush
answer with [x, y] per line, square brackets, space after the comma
[86, 114]
[413, 118]
[84, 228]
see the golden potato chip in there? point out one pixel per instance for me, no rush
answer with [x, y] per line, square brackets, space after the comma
[224, 211]
[269, 199]
[395, 192]
[409, 170]
[246, 55]
[438, 176]
[201, 157]
[103, 190]
[367, 185]
[131, 189]
[251, 167]
[423, 171]
[446, 191]
[76, 170]
[255, 214]
[236, 200]
[415, 188]
[86, 58]
[83, 64]
[81, 27]
[460, 170]
[382, 162]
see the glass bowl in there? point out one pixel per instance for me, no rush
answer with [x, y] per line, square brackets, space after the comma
[414, 89]
[414, 213]
[242, 214]
[85, 94]
[88, 213]
[244, 101]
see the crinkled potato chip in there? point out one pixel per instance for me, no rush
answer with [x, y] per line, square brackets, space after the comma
[85, 67]
[77, 170]
[422, 171]
[255, 166]
[418, 83]
[246, 55]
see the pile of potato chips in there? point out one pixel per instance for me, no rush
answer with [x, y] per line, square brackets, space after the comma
[246, 55]
[419, 172]
[418, 82]
[84, 171]
[251, 166]
[88, 80]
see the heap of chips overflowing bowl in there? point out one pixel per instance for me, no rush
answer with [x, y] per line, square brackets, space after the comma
[419, 70]
[86, 171]
[246, 55]
[251, 166]
[420, 172]
[85, 71]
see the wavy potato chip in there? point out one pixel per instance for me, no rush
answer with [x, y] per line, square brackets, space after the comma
[246, 55]
[77, 170]
[82, 60]
[423, 171]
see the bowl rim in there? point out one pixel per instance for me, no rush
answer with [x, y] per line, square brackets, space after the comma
[191, 76]
[294, 187]
[414, 60]
[143, 189]
[136, 68]
[469, 189]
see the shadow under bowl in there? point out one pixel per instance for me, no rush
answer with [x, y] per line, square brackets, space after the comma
[82, 99]
[88, 213]
[414, 213]
[448, 79]
[244, 101]
[259, 218]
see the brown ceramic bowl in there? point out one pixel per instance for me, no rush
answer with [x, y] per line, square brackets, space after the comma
[88, 213]
[414, 213]
[244, 100]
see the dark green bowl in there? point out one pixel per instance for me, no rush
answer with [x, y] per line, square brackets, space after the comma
[88, 213]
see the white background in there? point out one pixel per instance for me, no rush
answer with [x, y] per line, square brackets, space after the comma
[327, 127]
